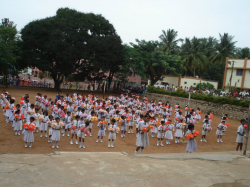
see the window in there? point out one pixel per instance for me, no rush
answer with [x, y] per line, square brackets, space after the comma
[239, 72]
[194, 83]
[185, 82]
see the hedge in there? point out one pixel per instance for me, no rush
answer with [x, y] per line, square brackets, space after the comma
[209, 97]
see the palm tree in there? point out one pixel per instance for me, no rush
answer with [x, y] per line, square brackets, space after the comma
[243, 53]
[169, 41]
[193, 53]
[225, 48]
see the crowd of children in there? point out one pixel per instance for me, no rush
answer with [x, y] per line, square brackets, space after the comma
[75, 115]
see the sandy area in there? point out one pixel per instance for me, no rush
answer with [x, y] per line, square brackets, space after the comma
[9, 143]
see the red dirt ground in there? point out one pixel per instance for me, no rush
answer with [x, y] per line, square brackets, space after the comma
[9, 143]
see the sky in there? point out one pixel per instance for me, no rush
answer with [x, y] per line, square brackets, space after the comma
[145, 19]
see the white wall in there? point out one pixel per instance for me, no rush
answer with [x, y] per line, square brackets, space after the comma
[169, 80]
[235, 78]
[189, 82]
[237, 63]
[213, 83]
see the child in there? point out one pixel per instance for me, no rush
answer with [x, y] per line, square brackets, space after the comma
[160, 134]
[44, 125]
[131, 123]
[205, 129]
[76, 123]
[102, 127]
[123, 127]
[112, 134]
[191, 145]
[50, 128]
[142, 137]
[81, 134]
[219, 131]
[28, 134]
[178, 133]
[17, 122]
[36, 115]
[67, 122]
[56, 133]
[168, 134]
[90, 122]
[198, 114]
[240, 135]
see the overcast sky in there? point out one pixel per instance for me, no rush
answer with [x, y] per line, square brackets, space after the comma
[145, 19]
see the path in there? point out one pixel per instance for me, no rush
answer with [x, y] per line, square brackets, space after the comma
[121, 169]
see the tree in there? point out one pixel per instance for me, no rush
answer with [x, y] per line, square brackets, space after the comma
[9, 47]
[154, 62]
[169, 42]
[193, 53]
[224, 48]
[63, 44]
[243, 53]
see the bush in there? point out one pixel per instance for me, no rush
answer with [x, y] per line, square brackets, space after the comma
[209, 98]
[204, 86]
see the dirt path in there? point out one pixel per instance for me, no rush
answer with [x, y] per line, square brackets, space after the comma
[9, 143]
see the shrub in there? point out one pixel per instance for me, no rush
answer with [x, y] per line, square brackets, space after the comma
[209, 98]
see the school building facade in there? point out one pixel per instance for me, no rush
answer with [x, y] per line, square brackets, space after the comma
[237, 74]
[183, 81]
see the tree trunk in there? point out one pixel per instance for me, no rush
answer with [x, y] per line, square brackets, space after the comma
[6, 82]
[194, 72]
[57, 84]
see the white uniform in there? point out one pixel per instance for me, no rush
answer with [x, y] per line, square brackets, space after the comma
[112, 134]
[142, 137]
[102, 128]
[240, 135]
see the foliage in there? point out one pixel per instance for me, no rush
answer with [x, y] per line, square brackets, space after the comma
[154, 62]
[193, 54]
[208, 98]
[243, 53]
[169, 43]
[9, 47]
[67, 43]
[204, 86]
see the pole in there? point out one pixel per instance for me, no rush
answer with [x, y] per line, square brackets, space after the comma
[230, 90]
[188, 109]
[247, 132]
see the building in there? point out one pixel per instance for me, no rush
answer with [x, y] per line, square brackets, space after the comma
[182, 81]
[237, 74]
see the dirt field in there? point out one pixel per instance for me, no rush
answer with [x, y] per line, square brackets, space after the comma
[9, 143]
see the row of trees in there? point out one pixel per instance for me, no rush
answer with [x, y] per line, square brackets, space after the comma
[83, 46]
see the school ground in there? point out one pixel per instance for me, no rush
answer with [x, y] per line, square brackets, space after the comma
[213, 164]
[9, 143]
[113, 169]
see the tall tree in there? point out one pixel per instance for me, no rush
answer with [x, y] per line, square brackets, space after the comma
[225, 48]
[9, 47]
[63, 44]
[193, 53]
[169, 41]
[155, 63]
[243, 52]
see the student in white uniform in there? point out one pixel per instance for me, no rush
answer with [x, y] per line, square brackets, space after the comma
[161, 130]
[75, 125]
[102, 128]
[240, 135]
[67, 119]
[44, 125]
[142, 137]
[112, 133]
[28, 133]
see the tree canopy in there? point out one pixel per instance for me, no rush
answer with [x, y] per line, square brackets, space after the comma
[9, 46]
[70, 42]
